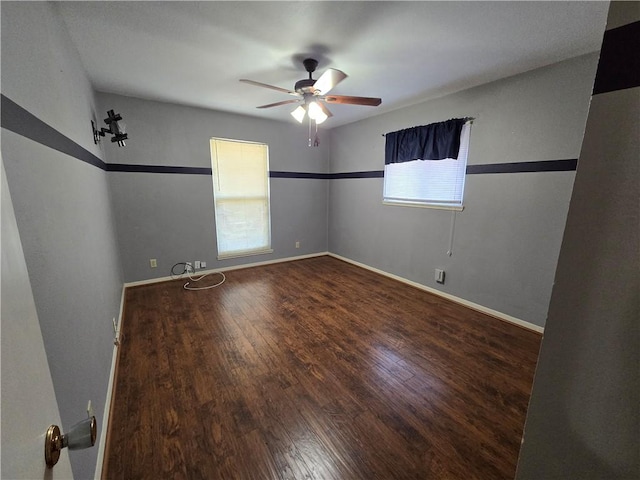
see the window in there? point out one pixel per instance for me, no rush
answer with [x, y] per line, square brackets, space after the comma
[428, 183]
[241, 197]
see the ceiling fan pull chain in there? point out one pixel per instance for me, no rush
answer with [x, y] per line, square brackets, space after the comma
[316, 141]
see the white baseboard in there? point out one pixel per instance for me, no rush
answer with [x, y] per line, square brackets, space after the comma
[448, 296]
[227, 269]
[107, 403]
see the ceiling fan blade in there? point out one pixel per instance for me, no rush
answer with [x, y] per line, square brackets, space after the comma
[272, 87]
[277, 104]
[328, 80]
[368, 101]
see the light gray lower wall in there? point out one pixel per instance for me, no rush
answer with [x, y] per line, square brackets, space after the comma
[507, 239]
[584, 417]
[63, 213]
[170, 216]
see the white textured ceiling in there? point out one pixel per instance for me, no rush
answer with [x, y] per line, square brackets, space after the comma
[194, 53]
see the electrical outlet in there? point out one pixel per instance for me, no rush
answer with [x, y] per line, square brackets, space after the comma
[196, 264]
[153, 262]
[439, 275]
[188, 266]
[297, 244]
[90, 409]
[203, 264]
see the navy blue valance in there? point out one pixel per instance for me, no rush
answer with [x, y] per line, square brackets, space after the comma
[435, 141]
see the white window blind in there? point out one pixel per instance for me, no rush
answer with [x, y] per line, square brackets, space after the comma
[241, 197]
[438, 183]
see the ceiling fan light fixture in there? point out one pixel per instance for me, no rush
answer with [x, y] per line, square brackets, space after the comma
[299, 113]
[321, 117]
[315, 111]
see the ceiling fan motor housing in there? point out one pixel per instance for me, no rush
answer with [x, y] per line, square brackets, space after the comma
[305, 86]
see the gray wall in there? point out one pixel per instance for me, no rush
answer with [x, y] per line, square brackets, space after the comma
[507, 239]
[583, 419]
[62, 207]
[170, 217]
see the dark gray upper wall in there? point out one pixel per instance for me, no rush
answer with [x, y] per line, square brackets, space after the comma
[63, 213]
[583, 419]
[507, 239]
[170, 217]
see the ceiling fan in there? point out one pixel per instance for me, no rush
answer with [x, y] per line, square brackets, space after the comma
[312, 93]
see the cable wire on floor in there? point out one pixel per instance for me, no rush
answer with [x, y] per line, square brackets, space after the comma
[188, 270]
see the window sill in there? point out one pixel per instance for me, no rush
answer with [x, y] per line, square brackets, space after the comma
[226, 256]
[437, 206]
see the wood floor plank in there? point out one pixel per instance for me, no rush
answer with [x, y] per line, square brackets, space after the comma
[315, 369]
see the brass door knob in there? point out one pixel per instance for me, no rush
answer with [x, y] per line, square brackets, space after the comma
[82, 435]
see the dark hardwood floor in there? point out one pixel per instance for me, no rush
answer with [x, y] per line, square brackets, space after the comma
[315, 369]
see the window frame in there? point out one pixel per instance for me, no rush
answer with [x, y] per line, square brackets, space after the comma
[214, 176]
